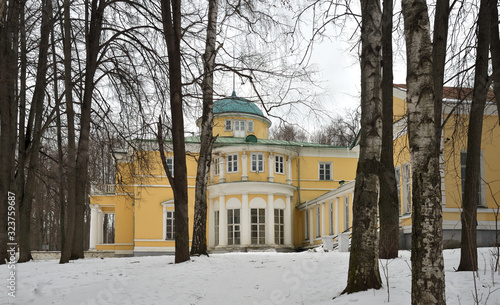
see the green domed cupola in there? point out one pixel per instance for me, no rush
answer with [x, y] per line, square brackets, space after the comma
[236, 104]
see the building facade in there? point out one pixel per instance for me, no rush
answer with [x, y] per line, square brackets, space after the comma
[285, 195]
[255, 185]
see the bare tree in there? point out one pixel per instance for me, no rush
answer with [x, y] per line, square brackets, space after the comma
[468, 253]
[363, 271]
[388, 202]
[288, 132]
[171, 18]
[199, 244]
[9, 27]
[428, 285]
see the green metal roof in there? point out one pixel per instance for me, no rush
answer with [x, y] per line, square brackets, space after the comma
[236, 104]
[227, 141]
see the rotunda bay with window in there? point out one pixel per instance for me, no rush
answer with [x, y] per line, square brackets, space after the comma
[256, 186]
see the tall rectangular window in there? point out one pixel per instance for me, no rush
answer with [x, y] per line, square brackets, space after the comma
[257, 163]
[279, 162]
[318, 222]
[397, 174]
[406, 188]
[346, 212]
[279, 227]
[170, 165]
[216, 227]
[330, 215]
[258, 226]
[216, 166]
[306, 221]
[232, 163]
[325, 171]
[233, 227]
[228, 125]
[170, 225]
[250, 126]
[463, 159]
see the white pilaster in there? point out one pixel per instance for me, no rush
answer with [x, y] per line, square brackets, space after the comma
[323, 219]
[270, 166]
[211, 224]
[288, 221]
[289, 171]
[311, 227]
[244, 166]
[337, 228]
[100, 223]
[222, 169]
[93, 225]
[245, 220]
[222, 221]
[270, 220]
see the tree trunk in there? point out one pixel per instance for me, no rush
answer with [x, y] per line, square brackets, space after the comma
[171, 15]
[81, 169]
[388, 202]
[8, 118]
[468, 253]
[68, 209]
[37, 104]
[495, 56]
[199, 244]
[428, 285]
[363, 271]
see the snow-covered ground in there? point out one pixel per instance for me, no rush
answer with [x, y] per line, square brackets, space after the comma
[235, 278]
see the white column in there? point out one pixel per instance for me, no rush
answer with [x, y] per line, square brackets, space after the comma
[288, 221]
[323, 219]
[311, 227]
[289, 170]
[337, 227]
[100, 222]
[93, 225]
[244, 166]
[211, 224]
[222, 221]
[270, 220]
[270, 166]
[245, 220]
[222, 169]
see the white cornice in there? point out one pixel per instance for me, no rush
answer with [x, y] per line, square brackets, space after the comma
[250, 187]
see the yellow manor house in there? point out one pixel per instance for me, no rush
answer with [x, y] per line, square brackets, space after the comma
[276, 194]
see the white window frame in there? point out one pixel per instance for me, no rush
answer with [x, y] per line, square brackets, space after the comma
[255, 226]
[228, 125]
[257, 163]
[233, 227]
[482, 184]
[239, 125]
[279, 226]
[397, 175]
[324, 169]
[232, 163]
[346, 212]
[169, 229]
[406, 174]
[279, 164]
[170, 165]
[216, 166]
[250, 126]
[216, 227]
